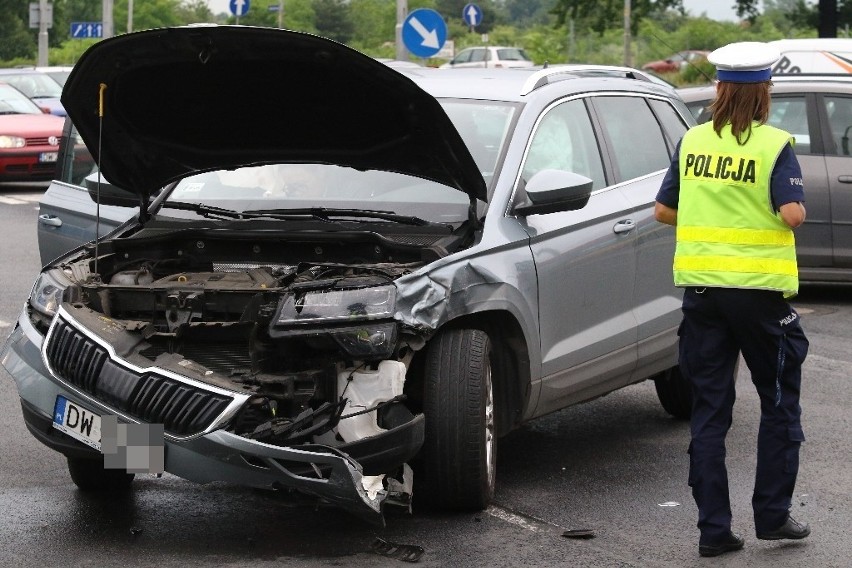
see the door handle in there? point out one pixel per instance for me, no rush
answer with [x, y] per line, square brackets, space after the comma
[844, 179]
[50, 220]
[624, 226]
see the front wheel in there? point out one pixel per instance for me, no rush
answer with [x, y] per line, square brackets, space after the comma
[459, 454]
[91, 476]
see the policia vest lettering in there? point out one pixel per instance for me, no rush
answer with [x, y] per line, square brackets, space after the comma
[728, 234]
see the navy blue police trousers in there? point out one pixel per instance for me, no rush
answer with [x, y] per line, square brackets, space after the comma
[718, 324]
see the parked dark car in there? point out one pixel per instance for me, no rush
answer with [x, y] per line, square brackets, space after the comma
[817, 111]
[677, 62]
[29, 138]
[398, 267]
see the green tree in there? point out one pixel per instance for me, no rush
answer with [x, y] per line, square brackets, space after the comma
[609, 14]
[373, 21]
[18, 41]
[526, 13]
[147, 15]
[333, 20]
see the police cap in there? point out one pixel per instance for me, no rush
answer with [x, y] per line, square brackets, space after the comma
[744, 62]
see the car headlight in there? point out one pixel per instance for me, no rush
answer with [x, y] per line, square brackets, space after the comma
[7, 141]
[370, 340]
[337, 306]
[47, 293]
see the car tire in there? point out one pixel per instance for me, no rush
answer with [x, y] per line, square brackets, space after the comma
[91, 476]
[459, 454]
[675, 393]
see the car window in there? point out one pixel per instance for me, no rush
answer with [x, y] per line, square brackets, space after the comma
[484, 127]
[791, 114]
[463, 57]
[75, 160]
[12, 101]
[33, 85]
[673, 125]
[279, 187]
[564, 140]
[839, 112]
[637, 140]
[478, 55]
[512, 54]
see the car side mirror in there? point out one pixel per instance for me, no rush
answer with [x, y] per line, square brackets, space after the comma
[549, 191]
[107, 193]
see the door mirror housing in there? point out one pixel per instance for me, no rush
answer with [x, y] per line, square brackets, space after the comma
[549, 191]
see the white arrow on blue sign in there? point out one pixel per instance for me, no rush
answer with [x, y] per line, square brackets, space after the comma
[81, 30]
[239, 7]
[424, 32]
[472, 15]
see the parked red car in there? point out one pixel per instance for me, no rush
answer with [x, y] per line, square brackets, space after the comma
[676, 62]
[29, 138]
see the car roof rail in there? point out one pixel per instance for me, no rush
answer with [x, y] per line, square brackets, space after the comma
[559, 72]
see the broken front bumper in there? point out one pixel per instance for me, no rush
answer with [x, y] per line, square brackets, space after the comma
[335, 474]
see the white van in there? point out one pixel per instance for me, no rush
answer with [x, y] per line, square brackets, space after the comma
[815, 55]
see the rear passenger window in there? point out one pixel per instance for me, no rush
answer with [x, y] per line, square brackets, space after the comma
[564, 140]
[635, 135]
[791, 114]
[839, 112]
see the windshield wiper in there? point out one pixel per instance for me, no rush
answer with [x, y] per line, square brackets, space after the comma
[213, 212]
[208, 211]
[327, 213]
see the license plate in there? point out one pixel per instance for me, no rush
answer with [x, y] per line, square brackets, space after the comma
[78, 422]
[48, 156]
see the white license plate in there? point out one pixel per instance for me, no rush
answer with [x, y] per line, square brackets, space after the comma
[48, 156]
[78, 422]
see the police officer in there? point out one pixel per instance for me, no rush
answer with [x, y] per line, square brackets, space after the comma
[734, 191]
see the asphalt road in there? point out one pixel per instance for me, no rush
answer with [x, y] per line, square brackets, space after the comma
[607, 466]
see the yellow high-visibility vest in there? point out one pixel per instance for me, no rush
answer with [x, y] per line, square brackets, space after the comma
[728, 234]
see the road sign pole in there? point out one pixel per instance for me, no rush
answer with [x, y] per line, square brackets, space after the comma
[401, 14]
[108, 25]
[42, 33]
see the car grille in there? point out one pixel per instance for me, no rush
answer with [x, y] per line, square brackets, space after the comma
[38, 141]
[183, 409]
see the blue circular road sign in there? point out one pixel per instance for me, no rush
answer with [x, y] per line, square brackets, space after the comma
[472, 15]
[239, 7]
[424, 32]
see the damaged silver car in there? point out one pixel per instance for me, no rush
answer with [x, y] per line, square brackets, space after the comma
[352, 292]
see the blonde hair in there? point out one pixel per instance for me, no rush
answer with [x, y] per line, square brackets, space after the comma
[740, 104]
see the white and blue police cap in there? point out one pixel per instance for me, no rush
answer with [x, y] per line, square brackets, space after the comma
[744, 62]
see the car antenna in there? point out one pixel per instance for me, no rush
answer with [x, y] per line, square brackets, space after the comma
[101, 90]
[670, 48]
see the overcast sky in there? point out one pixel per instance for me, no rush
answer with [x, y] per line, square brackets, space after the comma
[714, 9]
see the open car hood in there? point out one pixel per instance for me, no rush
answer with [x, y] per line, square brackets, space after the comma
[159, 105]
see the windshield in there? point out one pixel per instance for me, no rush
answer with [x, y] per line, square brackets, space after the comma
[13, 101]
[483, 126]
[33, 85]
[281, 187]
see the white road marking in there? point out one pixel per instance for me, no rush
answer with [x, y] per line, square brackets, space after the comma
[512, 518]
[4, 324]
